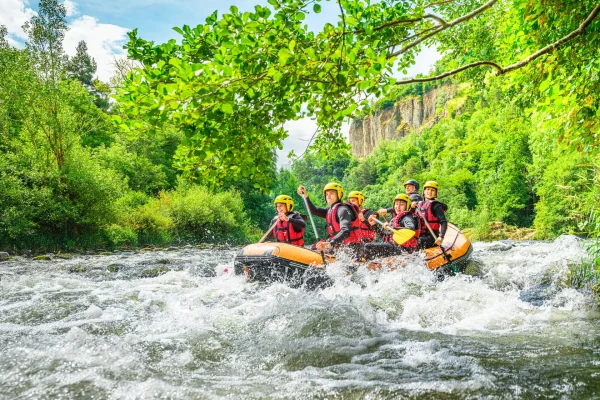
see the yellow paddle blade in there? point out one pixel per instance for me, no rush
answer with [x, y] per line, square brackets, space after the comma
[403, 235]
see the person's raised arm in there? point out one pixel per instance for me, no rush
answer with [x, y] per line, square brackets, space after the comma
[319, 212]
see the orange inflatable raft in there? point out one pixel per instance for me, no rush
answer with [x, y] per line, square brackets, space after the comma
[282, 262]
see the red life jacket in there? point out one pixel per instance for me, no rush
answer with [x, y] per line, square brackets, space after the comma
[365, 232]
[412, 243]
[333, 223]
[426, 209]
[285, 232]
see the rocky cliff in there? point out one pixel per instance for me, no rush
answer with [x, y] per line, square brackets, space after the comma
[405, 116]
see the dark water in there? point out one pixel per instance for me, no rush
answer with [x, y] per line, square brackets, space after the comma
[103, 327]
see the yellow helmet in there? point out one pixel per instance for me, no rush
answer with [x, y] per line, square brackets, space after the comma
[336, 187]
[404, 198]
[285, 199]
[358, 195]
[432, 184]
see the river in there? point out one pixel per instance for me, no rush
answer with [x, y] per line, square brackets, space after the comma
[105, 327]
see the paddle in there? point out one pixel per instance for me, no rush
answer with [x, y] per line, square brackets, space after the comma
[401, 235]
[312, 221]
[268, 232]
[446, 255]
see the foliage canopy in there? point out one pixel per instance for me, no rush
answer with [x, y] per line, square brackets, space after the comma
[231, 83]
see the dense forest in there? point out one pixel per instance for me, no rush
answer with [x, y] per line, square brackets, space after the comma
[159, 155]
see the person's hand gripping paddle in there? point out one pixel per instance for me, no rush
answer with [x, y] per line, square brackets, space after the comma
[401, 235]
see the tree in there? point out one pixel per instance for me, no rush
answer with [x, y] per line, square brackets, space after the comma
[82, 66]
[236, 79]
[46, 32]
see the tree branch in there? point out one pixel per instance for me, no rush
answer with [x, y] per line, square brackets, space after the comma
[550, 47]
[449, 73]
[441, 28]
[504, 70]
[343, 35]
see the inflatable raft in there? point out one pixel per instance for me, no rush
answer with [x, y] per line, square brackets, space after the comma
[282, 262]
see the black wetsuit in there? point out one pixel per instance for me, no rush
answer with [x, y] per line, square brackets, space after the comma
[345, 216]
[426, 240]
[296, 220]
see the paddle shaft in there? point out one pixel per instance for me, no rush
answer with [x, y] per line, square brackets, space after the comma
[268, 232]
[382, 224]
[312, 221]
[446, 255]
[427, 225]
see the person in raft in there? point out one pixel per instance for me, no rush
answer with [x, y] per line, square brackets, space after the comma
[404, 218]
[411, 187]
[433, 212]
[339, 217]
[412, 190]
[363, 229]
[290, 225]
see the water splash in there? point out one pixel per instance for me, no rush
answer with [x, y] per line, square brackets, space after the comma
[77, 328]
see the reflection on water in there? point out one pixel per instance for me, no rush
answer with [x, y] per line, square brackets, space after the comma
[180, 325]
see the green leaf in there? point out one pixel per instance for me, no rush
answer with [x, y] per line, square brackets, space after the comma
[544, 85]
[317, 8]
[283, 54]
[227, 108]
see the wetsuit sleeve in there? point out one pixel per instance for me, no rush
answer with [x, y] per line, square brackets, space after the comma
[438, 212]
[345, 216]
[319, 212]
[409, 222]
[297, 222]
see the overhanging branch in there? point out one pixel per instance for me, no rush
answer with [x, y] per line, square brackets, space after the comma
[579, 31]
[504, 70]
[450, 73]
[443, 27]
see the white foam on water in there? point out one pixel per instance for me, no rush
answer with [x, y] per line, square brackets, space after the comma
[185, 334]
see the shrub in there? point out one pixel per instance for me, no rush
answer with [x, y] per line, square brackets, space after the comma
[200, 215]
[120, 236]
[152, 221]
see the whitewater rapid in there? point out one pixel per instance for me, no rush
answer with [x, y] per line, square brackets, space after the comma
[103, 327]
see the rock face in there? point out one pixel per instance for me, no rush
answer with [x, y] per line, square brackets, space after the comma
[395, 122]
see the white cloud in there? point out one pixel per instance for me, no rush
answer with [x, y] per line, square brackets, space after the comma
[104, 42]
[13, 15]
[71, 8]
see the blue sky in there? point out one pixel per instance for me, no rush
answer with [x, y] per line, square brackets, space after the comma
[104, 24]
[156, 18]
